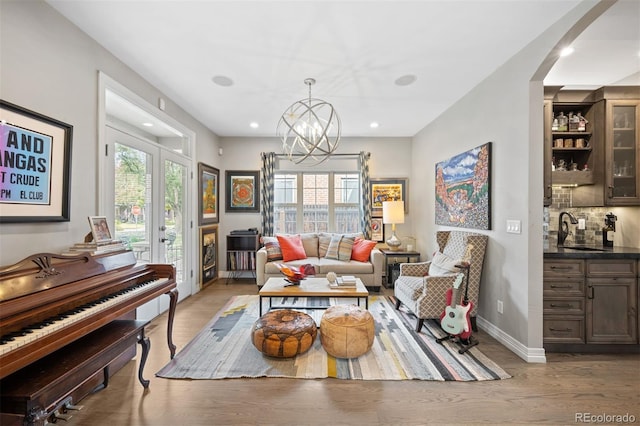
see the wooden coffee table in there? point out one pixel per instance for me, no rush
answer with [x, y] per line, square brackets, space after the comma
[310, 287]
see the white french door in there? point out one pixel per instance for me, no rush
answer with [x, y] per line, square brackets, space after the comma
[149, 184]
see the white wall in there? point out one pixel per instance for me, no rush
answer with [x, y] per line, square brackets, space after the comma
[390, 158]
[505, 109]
[51, 67]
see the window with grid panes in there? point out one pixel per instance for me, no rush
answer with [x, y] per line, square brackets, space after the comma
[330, 202]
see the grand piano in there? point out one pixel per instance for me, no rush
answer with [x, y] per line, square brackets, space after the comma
[65, 321]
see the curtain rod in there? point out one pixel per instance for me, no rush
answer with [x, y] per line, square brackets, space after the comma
[302, 155]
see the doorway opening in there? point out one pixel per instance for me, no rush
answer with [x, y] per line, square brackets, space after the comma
[146, 183]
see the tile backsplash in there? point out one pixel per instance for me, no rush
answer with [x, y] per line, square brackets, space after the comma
[593, 216]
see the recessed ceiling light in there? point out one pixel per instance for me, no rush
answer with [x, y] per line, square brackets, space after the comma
[374, 125]
[567, 51]
[147, 124]
[222, 80]
[254, 125]
[405, 80]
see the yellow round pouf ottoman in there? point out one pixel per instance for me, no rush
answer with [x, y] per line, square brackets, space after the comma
[346, 331]
[284, 333]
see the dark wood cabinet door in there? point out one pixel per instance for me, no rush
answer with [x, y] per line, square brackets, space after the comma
[611, 310]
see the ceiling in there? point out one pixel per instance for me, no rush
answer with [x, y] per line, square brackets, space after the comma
[356, 50]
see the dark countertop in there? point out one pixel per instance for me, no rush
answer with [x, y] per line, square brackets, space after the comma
[605, 253]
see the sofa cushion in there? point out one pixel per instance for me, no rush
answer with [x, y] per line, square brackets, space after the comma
[441, 264]
[291, 246]
[324, 239]
[273, 248]
[310, 244]
[344, 268]
[340, 247]
[361, 250]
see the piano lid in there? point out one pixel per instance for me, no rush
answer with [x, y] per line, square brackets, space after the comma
[44, 271]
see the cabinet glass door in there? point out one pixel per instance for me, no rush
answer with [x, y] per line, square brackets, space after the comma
[623, 151]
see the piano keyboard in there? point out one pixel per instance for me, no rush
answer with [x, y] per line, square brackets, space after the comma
[15, 340]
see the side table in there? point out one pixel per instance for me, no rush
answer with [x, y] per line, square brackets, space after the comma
[392, 261]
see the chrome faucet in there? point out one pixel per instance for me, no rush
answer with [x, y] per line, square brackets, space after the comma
[563, 227]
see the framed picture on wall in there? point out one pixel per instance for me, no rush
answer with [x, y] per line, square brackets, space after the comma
[377, 229]
[463, 189]
[208, 197]
[242, 191]
[388, 189]
[208, 254]
[35, 187]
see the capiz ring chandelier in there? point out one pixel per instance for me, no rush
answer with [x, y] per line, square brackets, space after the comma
[310, 129]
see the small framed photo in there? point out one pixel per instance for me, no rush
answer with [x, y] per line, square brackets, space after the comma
[242, 191]
[100, 229]
[377, 229]
[208, 201]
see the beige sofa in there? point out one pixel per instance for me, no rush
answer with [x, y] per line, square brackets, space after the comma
[369, 272]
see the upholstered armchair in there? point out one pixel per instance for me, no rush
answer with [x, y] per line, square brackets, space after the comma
[424, 293]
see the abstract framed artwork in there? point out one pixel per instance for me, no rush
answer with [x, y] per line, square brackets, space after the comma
[463, 189]
[387, 189]
[209, 189]
[242, 191]
[35, 166]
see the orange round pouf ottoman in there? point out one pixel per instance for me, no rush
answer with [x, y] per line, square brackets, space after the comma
[346, 331]
[284, 333]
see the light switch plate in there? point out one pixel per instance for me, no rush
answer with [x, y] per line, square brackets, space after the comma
[513, 226]
[581, 224]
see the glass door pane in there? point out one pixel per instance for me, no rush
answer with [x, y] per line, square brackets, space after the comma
[175, 182]
[133, 207]
[624, 152]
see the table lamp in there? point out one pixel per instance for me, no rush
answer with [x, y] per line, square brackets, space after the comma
[393, 213]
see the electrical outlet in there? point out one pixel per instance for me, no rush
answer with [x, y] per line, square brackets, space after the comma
[500, 307]
[581, 224]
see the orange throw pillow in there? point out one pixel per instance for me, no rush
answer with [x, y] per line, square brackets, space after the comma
[361, 250]
[291, 246]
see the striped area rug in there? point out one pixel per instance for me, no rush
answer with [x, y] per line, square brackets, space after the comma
[223, 349]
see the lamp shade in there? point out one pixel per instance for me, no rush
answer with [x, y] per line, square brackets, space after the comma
[393, 212]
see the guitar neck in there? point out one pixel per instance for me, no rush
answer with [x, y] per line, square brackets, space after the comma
[455, 296]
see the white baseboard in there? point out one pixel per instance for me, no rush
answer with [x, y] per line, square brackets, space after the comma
[533, 355]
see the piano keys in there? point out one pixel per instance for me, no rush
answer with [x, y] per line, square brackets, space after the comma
[50, 301]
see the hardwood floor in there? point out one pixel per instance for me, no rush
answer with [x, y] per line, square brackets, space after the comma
[552, 393]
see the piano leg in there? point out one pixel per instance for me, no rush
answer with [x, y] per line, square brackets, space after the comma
[105, 380]
[173, 294]
[145, 343]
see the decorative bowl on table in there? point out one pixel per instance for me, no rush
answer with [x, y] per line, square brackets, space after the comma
[293, 275]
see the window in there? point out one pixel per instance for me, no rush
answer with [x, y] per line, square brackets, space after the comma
[330, 202]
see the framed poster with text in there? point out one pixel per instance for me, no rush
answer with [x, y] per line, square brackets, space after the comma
[35, 166]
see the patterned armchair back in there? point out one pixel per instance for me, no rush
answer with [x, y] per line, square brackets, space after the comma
[455, 243]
